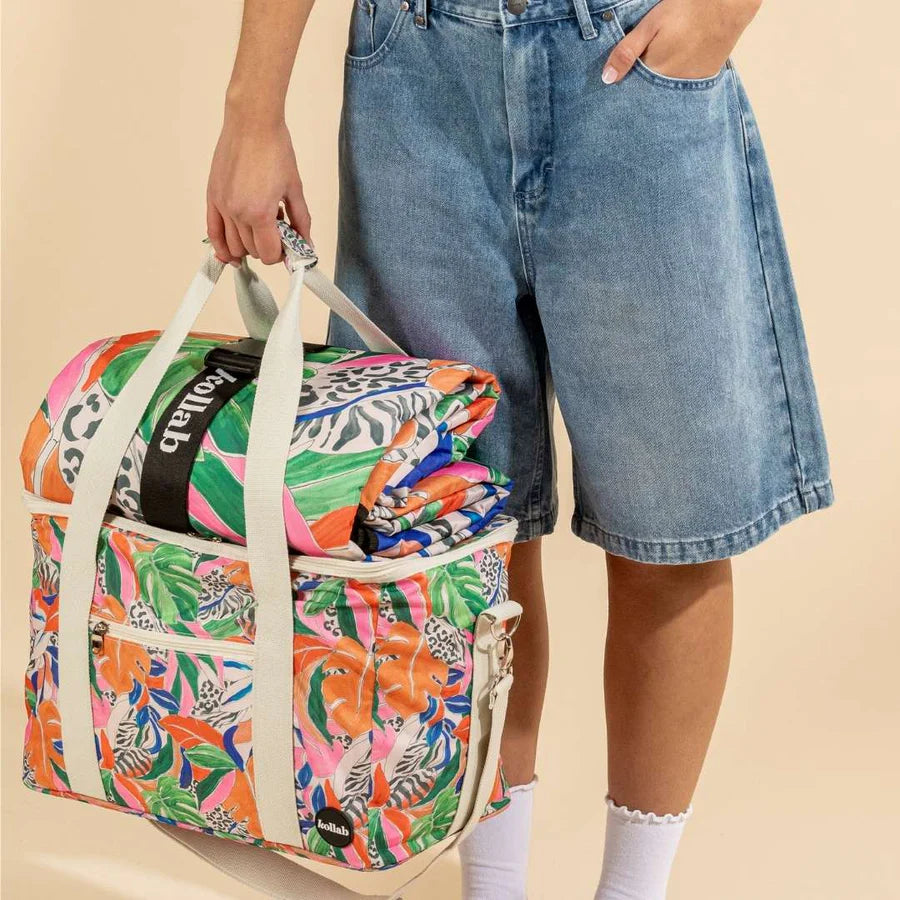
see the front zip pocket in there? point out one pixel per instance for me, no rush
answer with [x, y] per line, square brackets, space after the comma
[183, 643]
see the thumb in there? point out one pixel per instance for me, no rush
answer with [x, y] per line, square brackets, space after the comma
[298, 211]
[624, 54]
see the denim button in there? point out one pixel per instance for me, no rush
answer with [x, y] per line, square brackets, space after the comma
[516, 7]
[607, 16]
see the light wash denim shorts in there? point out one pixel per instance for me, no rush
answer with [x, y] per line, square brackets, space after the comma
[617, 248]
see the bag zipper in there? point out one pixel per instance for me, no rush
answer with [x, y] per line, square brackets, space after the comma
[101, 628]
[380, 571]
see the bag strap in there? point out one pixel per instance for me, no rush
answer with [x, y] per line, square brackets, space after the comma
[282, 878]
[259, 309]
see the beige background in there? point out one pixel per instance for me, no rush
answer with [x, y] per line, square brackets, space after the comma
[110, 114]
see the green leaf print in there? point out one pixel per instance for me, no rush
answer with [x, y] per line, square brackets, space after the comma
[171, 802]
[321, 847]
[456, 592]
[210, 783]
[328, 481]
[168, 582]
[109, 788]
[230, 429]
[209, 757]
[111, 574]
[329, 593]
[445, 779]
[432, 827]
[399, 602]
[225, 628]
[162, 763]
[376, 836]
[219, 486]
[188, 670]
[347, 621]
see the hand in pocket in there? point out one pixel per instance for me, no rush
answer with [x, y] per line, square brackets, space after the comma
[682, 38]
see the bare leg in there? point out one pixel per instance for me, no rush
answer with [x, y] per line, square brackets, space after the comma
[531, 660]
[495, 856]
[667, 650]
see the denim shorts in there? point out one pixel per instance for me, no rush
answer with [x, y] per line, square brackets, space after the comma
[613, 247]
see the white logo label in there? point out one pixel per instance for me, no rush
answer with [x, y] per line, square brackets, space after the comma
[197, 401]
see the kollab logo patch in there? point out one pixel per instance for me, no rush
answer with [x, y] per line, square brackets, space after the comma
[334, 827]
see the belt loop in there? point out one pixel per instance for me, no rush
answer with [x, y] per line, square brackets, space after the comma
[588, 32]
[421, 17]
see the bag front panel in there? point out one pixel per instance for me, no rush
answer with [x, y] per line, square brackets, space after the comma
[382, 692]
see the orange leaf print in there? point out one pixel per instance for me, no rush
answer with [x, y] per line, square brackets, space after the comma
[107, 760]
[448, 377]
[122, 664]
[45, 728]
[400, 820]
[53, 486]
[241, 804]
[37, 433]
[333, 529]
[188, 732]
[381, 790]
[238, 574]
[112, 351]
[348, 686]
[407, 672]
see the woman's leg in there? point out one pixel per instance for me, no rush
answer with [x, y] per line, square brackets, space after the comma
[668, 645]
[532, 653]
[667, 650]
[495, 856]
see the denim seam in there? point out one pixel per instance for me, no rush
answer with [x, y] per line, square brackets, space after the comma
[535, 489]
[799, 502]
[536, 526]
[376, 58]
[464, 18]
[798, 464]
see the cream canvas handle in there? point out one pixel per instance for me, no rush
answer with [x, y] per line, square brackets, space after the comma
[259, 309]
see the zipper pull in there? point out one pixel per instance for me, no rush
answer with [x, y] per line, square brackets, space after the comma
[98, 633]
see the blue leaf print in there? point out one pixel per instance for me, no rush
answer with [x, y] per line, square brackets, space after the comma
[460, 704]
[186, 776]
[164, 699]
[230, 749]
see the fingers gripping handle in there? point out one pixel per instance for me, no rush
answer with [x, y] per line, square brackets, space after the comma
[259, 309]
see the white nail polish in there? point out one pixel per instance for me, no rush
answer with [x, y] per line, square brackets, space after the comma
[609, 75]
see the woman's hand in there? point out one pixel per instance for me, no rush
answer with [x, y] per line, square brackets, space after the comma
[682, 38]
[253, 171]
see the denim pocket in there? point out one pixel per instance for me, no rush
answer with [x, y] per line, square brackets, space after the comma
[623, 18]
[374, 28]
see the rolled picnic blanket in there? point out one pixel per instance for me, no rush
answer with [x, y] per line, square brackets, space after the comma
[377, 467]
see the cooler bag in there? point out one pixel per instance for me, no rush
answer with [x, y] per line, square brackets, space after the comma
[293, 635]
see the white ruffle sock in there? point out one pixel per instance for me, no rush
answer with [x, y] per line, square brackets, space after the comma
[638, 855]
[494, 856]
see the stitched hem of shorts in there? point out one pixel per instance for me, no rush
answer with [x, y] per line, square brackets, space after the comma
[532, 528]
[807, 500]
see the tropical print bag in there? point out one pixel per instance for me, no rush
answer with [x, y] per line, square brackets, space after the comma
[346, 710]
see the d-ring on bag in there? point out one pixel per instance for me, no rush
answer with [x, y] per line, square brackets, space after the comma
[346, 710]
